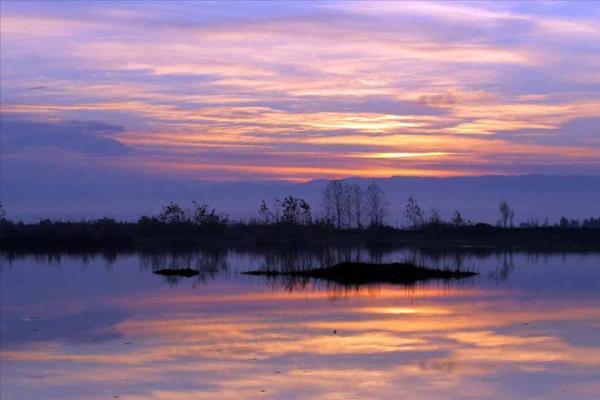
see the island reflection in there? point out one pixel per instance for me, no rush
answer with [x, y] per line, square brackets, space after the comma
[222, 335]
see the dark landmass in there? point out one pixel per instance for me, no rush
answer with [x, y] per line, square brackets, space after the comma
[358, 273]
[109, 235]
[186, 272]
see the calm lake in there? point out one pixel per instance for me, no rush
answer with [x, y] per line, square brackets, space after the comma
[104, 326]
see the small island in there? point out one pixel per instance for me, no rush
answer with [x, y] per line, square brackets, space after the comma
[358, 273]
[185, 272]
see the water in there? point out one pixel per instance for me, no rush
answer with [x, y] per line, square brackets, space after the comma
[102, 326]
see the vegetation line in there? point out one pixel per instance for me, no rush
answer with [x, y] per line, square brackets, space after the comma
[348, 214]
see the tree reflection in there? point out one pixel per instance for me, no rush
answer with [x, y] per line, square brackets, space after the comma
[208, 263]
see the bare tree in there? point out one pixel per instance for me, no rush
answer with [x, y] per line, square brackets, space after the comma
[202, 214]
[305, 213]
[505, 212]
[414, 214]
[172, 214]
[335, 202]
[266, 215]
[270, 213]
[376, 204]
[357, 195]
[457, 219]
[435, 218]
[347, 205]
[327, 203]
[295, 211]
[290, 210]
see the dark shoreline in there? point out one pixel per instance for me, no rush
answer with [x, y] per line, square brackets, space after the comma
[71, 236]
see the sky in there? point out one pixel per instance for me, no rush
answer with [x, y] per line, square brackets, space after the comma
[301, 90]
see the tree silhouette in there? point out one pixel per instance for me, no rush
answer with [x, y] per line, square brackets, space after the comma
[506, 213]
[414, 214]
[435, 219]
[357, 195]
[335, 201]
[266, 214]
[172, 214]
[376, 204]
[457, 219]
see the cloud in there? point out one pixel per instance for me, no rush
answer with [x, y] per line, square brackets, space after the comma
[89, 138]
[305, 90]
[583, 132]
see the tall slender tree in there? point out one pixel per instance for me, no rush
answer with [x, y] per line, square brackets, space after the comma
[376, 204]
[357, 195]
[505, 213]
[335, 202]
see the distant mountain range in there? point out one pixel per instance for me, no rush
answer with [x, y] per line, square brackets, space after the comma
[72, 193]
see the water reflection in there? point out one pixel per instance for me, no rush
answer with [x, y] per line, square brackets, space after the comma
[527, 331]
[208, 263]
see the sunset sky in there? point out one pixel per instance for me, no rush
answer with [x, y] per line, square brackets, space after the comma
[296, 91]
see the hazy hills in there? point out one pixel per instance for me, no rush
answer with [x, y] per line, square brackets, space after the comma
[38, 192]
